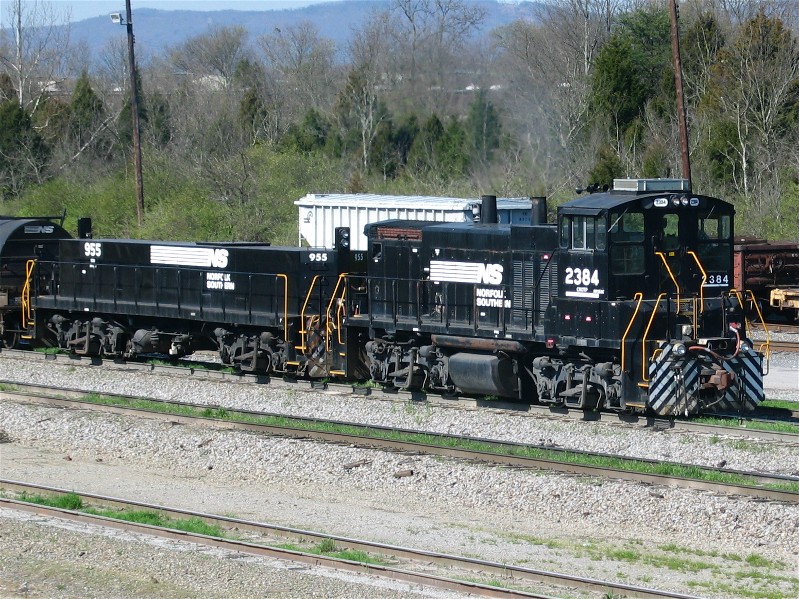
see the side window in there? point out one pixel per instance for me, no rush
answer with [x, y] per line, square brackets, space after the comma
[627, 259]
[565, 228]
[601, 228]
[627, 226]
[626, 232]
[582, 232]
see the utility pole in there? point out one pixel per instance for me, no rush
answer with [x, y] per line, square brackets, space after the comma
[134, 109]
[675, 51]
[18, 32]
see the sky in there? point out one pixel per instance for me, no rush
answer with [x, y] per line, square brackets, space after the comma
[86, 9]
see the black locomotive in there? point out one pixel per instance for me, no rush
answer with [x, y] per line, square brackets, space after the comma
[627, 303]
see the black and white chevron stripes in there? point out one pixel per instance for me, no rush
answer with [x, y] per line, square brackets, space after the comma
[674, 382]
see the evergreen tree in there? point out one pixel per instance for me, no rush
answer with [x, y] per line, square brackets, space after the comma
[23, 153]
[86, 110]
[483, 127]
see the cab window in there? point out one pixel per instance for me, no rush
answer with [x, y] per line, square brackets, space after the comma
[670, 232]
[713, 241]
[627, 226]
[714, 228]
[627, 235]
[582, 232]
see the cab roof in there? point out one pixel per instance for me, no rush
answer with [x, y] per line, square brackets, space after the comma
[644, 192]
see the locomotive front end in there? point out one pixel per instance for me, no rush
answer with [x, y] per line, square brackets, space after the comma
[694, 376]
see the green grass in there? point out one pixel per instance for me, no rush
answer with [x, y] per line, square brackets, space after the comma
[71, 501]
[781, 404]
[775, 426]
[625, 464]
[49, 350]
[328, 548]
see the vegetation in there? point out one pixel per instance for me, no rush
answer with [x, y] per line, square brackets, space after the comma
[71, 501]
[415, 103]
[526, 451]
[329, 548]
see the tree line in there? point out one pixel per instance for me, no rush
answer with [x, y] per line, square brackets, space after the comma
[420, 101]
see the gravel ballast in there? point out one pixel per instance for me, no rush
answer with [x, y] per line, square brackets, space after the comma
[515, 516]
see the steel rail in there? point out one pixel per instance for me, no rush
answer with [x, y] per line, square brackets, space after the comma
[505, 571]
[373, 442]
[465, 403]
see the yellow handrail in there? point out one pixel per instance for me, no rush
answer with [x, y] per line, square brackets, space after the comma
[646, 334]
[341, 278]
[640, 297]
[704, 280]
[26, 293]
[303, 332]
[737, 295]
[671, 275]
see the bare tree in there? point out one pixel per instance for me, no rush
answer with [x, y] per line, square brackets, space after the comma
[358, 103]
[429, 38]
[41, 40]
[303, 61]
[756, 84]
[214, 54]
[548, 63]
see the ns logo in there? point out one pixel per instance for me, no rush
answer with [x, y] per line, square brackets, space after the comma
[39, 229]
[490, 274]
[219, 258]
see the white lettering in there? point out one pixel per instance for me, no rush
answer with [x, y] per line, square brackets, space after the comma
[219, 280]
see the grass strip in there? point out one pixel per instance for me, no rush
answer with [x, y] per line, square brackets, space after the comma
[760, 425]
[73, 502]
[329, 548]
[525, 451]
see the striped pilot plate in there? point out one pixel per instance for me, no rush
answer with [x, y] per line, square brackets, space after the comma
[667, 395]
[747, 367]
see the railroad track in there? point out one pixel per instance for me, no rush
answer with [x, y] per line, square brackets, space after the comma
[542, 457]
[776, 327]
[788, 347]
[407, 562]
[212, 372]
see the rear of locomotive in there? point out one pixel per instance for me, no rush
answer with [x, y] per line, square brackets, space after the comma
[264, 309]
[660, 267]
[23, 242]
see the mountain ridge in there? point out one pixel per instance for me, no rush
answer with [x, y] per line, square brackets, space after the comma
[156, 30]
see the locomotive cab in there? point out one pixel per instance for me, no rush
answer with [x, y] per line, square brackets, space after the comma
[647, 268]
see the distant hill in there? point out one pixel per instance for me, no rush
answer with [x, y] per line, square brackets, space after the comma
[156, 30]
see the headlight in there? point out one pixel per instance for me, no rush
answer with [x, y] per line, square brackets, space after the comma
[745, 345]
[680, 350]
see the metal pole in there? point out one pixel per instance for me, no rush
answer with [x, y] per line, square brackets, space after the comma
[675, 50]
[134, 109]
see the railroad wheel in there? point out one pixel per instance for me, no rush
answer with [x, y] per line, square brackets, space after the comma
[8, 337]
